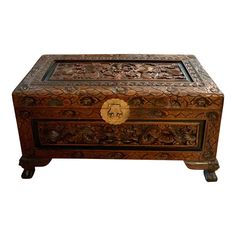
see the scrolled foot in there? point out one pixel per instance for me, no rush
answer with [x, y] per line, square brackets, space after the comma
[210, 176]
[28, 173]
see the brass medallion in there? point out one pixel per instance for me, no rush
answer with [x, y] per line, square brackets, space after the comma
[115, 111]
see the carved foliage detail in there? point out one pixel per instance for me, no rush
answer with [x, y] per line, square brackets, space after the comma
[87, 101]
[161, 133]
[29, 101]
[202, 102]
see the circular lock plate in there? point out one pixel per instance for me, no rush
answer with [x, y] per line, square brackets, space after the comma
[115, 111]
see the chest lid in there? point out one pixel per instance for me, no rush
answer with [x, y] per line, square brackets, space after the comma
[89, 80]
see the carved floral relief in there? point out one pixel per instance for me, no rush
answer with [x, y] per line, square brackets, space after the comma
[117, 71]
[162, 133]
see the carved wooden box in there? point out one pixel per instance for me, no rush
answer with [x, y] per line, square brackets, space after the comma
[161, 107]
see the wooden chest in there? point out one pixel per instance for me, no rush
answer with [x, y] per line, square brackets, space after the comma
[160, 107]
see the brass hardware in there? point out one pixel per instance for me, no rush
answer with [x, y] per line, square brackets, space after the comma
[115, 111]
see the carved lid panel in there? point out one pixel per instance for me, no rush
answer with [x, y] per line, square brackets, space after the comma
[140, 80]
[70, 70]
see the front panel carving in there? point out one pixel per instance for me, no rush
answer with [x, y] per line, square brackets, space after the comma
[173, 135]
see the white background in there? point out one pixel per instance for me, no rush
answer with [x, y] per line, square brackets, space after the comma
[115, 197]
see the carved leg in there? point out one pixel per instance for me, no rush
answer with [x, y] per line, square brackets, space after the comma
[208, 167]
[28, 174]
[29, 164]
[210, 176]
